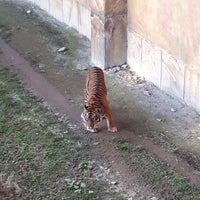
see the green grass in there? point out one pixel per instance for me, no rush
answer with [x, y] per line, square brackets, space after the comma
[70, 42]
[163, 179]
[122, 144]
[38, 153]
[40, 157]
[5, 33]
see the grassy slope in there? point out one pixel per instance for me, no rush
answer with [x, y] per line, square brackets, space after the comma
[163, 179]
[39, 156]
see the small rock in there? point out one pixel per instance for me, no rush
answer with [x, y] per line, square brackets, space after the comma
[198, 138]
[117, 68]
[114, 69]
[42, 68]
[95, 143]
[57, 114]
[28, 11]
[173, 110]
[124, 66]
[81, 67]
[147, 93]
[114, 182]
[62, 49]
[159, 120]
[135, 78]
[154, 198]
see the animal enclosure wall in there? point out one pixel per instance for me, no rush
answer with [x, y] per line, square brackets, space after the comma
[75, 13]
[159, 39]
[109, 32]
[164, 45]
[102, 21]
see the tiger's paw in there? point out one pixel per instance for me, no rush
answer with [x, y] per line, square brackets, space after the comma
[96, 128]
[93, 130]
[113, 129]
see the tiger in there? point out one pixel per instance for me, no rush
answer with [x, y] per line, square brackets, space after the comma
[96, 104]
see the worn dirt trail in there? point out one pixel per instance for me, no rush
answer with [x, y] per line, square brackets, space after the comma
[104, 153]
[142, 118]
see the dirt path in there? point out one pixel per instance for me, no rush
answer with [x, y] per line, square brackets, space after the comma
[102, 149]
[144, 115]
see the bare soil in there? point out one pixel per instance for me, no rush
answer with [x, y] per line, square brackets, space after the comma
[144, 115]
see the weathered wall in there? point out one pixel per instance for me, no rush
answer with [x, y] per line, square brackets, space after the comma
[159, 39]
[98, 33]
[102, 21]
[75, 13]
[109, 35]
[115, 32]
[164, 45]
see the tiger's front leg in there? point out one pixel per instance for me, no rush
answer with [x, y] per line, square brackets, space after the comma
[111, 127]
[108, 116]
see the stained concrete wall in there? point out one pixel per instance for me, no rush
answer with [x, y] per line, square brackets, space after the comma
[159, 39]
[164, 45]
[75, 13]
[115, 32]
[102, 21]
[109, 35]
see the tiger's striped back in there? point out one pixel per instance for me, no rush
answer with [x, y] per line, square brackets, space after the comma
[95, 84]
[96, 104]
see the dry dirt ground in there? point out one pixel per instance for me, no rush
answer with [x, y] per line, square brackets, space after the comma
[144, 115]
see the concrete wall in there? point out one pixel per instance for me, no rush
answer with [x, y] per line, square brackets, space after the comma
[159, 39]
[75, 13]
[109, 35]
[164, 45]
[102, 21]
[115, 32]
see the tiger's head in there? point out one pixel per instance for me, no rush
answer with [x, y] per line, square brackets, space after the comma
[92, 116]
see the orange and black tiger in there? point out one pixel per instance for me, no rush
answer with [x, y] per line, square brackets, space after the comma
[96, 104]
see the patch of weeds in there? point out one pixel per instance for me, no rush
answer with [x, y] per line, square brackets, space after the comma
[138, 148]
[191, 158]
[8, 188]
[37, 150]
[85, 167]
[122, 144]
[120, 140]
[83, 197]
[105, 191]
[161, 138]
[164, 140]
[34, 59]
[163, 179]
[70, 42]
[5, 32]
[75, 185]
